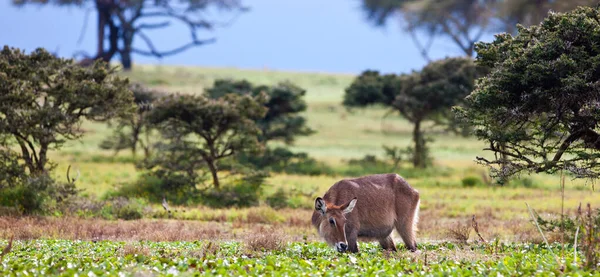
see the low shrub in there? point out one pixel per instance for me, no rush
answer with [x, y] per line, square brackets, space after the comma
[471, 181]
[154, 189]
[282, 160]
[278, 200]
[36, 195]
[123, 208]
[243, 192]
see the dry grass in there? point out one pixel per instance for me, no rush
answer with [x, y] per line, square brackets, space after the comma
[459, 232]
[135, 250]
[207, 250]
[85, 229]
[27, 228]
[265, 239]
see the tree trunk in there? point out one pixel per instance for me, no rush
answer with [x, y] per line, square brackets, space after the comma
[102, 19]
[126, 51]
[213, 171]
[135, 137]
[41, 166]
[419, 140]
[126, 60]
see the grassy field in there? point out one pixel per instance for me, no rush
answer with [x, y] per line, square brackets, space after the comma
[341, 135]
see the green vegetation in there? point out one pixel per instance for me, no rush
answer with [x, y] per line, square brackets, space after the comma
[464, 22]
[543, 88]
[421, 96]
[43, 101]
[263, 256]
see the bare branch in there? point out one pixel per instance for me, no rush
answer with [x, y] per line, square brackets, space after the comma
[173, 51]
[153, 25]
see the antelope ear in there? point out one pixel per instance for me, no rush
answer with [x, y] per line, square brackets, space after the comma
[348, 207]
[320, 205]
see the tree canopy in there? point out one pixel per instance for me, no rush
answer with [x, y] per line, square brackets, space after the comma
[133, 130]
[425, 95]
[127, 20]
[282, 120]
[43, 100]
[540, 104]
[208, 129]
[463, 22]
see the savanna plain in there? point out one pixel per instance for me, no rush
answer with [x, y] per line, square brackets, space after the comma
[196, 240]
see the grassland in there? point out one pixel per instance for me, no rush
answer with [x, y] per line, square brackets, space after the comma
[341, 135]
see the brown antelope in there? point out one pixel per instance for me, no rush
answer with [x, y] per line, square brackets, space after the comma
[368, 207]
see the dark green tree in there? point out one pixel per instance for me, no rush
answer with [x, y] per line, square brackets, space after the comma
[464, 22]
[285, 103]
[421, 96]
[541, 99]
[121, 22]
[134, 131]
[44, 99]
[208, 130]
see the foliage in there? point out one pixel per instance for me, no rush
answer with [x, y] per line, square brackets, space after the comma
[11, 172]
[471, 181]
[133, 131]
[426, 95]
[123, 208]
[83, 257]
[43, 100]
[244, 192]
[153, 187]
[282, 122]
[539, 106]
[278, 200]
[463, 22]
[129, 20]
[36, 195]
[199, 130]
[585, 225]
[282, 160]
[284, 104]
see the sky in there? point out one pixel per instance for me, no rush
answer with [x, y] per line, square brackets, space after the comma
[290, 35]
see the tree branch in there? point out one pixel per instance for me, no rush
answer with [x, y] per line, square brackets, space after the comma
[153, 25]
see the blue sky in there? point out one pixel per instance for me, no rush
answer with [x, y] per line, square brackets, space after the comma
[292, 35]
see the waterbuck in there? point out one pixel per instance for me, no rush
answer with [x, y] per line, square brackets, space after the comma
[368, 207]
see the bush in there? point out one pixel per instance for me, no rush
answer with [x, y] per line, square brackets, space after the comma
[244, 192]
[123, 208]
[278, 200]
[283, 160]
[471, 181]
[153, 188]
[36, 195]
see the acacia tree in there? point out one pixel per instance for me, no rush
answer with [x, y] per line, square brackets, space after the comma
[421, 96]
[209, 129]
[282, 120]
[44, 99]
[463, 22]
[133, 131]
[128, 20]
[542, 98]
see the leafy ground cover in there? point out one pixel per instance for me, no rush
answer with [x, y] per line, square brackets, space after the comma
[206, 258]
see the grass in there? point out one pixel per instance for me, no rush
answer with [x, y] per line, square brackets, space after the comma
[209, 258]
[341, 135]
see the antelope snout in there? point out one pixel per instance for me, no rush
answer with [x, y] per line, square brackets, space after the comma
[341, 247]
